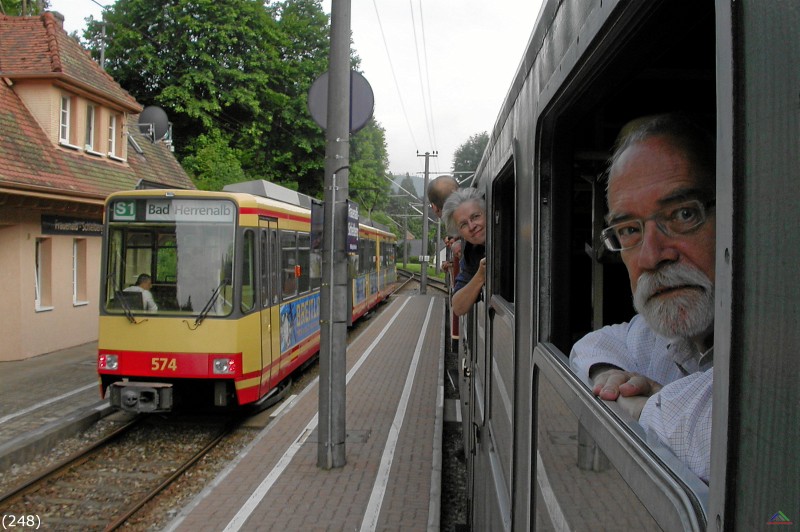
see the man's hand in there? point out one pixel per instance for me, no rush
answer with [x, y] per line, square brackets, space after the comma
[630, 390]
[611, 383]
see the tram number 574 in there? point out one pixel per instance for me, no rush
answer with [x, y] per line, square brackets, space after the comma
[163, 364]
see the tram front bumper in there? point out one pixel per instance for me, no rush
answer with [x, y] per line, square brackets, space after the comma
[141, 397]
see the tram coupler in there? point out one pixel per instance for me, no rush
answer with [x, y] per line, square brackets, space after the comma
[141, 397]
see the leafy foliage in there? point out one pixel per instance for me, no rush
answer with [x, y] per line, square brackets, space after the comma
[468, 155]
[233, 77]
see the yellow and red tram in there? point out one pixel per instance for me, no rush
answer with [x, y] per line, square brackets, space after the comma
[235, 283]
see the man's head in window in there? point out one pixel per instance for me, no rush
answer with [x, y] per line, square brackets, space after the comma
[661, 220]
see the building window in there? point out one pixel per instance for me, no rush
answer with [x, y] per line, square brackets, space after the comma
[112, 135]
[63, 133]
[79, 296]
[89, 146]
[43, 273]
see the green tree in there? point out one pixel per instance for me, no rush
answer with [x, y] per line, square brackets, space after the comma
[369, 162]
[212, 163]
[234, 71]
[468, 155]
[26, 8]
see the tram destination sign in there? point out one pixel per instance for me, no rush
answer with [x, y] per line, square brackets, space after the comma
[173, 210]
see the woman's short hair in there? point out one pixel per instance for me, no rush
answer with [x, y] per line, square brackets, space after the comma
[454, 201]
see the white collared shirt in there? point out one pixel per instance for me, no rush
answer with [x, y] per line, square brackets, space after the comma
[680, 414]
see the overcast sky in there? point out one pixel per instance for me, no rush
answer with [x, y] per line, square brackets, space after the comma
[439, 69]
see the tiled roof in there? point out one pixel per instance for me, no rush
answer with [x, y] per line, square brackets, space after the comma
[38, 47]
[28, 160]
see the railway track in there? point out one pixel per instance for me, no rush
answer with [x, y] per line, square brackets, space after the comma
[415, 277]
[103, 485]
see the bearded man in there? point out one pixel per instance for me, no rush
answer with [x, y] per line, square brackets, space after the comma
[661, 220]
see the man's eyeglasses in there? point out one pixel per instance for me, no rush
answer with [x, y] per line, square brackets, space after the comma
[679, 219]
[474, 217]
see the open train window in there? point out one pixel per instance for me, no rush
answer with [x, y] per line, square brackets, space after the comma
[663, 62]
[504, 223]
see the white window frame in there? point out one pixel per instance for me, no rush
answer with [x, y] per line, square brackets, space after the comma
[41, 268]
[66, 114]
[89, 145]
[112, 135]
[79, 251]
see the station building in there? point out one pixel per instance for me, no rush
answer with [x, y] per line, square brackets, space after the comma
[69, 137]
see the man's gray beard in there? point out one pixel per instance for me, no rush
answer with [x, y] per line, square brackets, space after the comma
[683, 315]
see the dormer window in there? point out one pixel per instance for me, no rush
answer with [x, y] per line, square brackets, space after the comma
[89, 145]
[63, 134]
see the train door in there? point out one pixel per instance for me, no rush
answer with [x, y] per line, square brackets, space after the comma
[269, 300]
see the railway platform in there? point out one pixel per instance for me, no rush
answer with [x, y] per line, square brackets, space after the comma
[394, 416]
[45, 399]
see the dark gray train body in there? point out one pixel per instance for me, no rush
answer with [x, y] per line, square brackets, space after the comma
[542, 452]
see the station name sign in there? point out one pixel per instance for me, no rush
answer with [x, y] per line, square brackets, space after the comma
[63, 225]
[352, 227]
[173, 210]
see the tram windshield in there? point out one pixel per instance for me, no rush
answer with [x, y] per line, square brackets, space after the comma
[185, 246]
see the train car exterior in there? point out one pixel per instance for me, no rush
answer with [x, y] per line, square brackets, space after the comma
[544, 453]
[235, 294]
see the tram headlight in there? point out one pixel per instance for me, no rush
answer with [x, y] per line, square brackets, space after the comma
[224, 366]
[108, 362]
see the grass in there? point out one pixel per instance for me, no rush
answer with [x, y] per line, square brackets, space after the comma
[416, 268]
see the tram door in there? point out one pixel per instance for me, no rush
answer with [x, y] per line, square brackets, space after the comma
[270, 299]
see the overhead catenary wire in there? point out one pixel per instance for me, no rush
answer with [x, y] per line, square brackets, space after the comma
[430, 119]
[394, 75]
[419, 70]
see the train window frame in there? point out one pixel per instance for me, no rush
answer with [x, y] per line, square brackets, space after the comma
[604, 92]
[503, 233]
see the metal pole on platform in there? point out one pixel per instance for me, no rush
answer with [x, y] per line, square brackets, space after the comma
[333, 296]
[423, 285]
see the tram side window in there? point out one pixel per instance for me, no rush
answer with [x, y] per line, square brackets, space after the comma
[264, 263]
[288, 263]
[248, 272]
[371, 250]
[304, 260]
[272, 267]
[362, 256]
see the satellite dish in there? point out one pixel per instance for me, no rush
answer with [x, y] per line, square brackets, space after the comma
[153, 122]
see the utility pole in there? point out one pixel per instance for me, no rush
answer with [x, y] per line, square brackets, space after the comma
[333, 296]
[405, 237]
[423, 286]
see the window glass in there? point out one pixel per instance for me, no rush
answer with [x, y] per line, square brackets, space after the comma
[43, 293]
[264, 264]
[248, 272]
[572, 472]
[63, 131]
[304, 260]
[90, 127]
[288, 263]
[79, 270]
